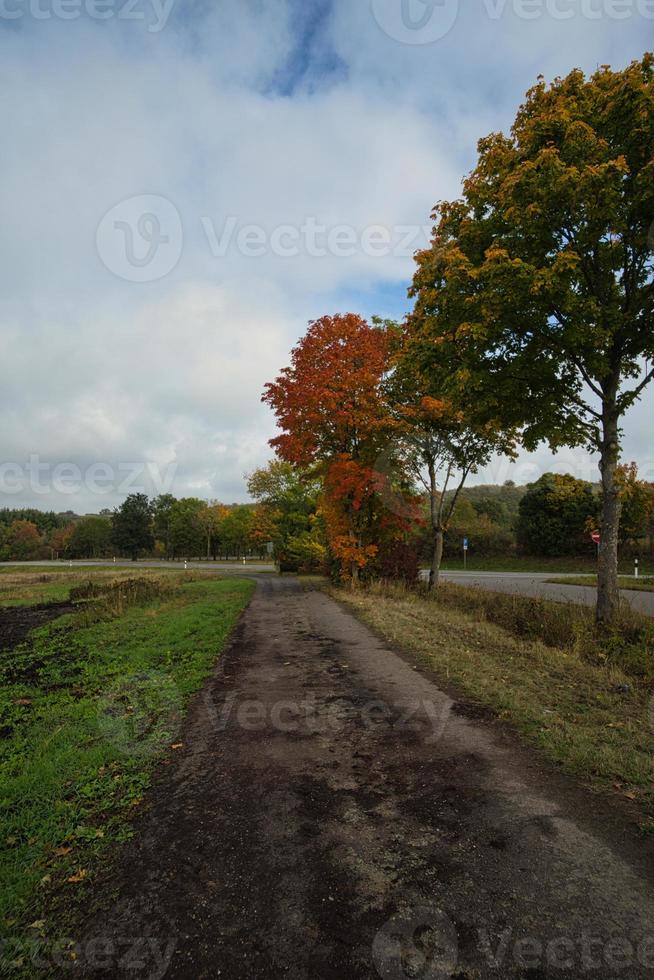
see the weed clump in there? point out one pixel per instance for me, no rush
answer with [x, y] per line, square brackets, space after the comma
[112, 599]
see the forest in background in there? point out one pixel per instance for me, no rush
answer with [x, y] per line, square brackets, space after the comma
[552, 517]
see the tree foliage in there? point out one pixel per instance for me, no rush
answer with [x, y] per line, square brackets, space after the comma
[132, 529]
[555, 514]
[333, 418]
[537, 290]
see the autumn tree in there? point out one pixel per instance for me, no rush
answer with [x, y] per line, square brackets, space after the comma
[59, 540]
[235, 530]
[22, 541]
[332, 416]
[287, 498]
[210, 516]
[637, 502]
[537, 291]
[438, 442]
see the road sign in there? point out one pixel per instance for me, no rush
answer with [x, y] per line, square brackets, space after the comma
[465, 544]
[596, 537]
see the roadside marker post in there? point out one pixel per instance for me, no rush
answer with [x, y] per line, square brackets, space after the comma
[635, 568]
[465, 554]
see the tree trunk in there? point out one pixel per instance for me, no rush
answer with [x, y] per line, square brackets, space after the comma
[436, 528]
[436, 559]
[608, 594]
[356, 542]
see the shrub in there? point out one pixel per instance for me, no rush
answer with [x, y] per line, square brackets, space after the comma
[397, 561]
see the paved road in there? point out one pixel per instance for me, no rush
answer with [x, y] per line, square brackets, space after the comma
[231, 567]
[333, 815]
[536, 584]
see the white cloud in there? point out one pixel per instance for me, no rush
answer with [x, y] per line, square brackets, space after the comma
[241, 110]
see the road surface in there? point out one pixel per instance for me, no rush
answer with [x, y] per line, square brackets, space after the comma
[536, 584]
[333, 815]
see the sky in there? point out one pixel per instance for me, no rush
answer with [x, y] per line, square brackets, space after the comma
[186, 183]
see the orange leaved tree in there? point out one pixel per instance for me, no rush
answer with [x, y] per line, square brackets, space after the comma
[332, 415]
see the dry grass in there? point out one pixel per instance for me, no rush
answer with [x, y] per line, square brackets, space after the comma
[30, 587]
[592, 718]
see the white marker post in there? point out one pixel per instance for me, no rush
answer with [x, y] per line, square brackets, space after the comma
[635, 568]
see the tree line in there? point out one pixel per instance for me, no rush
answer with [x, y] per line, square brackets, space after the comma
[163, 527]
[532, 323]
[552, 517]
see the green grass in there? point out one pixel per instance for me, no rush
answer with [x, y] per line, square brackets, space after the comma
[631, 583]
[87, 710]
[588, 704]
[513, 563]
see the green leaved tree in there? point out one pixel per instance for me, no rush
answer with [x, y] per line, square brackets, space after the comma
[131, 526]
[537, 292]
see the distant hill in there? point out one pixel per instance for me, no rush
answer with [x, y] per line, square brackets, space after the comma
[498, 502]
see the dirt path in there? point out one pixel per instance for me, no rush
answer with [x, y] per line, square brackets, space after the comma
[333, 815]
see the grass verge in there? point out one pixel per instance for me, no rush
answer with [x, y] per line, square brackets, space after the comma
[626, 582]
[580, 701]
[88, 707]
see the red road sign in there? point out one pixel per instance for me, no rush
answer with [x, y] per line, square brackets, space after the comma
[596, 537]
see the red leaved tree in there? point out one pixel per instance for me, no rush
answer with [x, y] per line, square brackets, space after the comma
[332, 415]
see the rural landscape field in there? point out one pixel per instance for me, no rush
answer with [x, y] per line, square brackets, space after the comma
[327, 490]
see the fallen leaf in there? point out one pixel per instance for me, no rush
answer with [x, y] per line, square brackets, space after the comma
[37, 925]
[62, 851]
[631, 796]
[177, 745]
[23, 701]
[76, 878]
